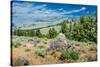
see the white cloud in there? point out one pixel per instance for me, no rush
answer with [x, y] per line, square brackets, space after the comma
[31, 12]
[74, 11]
[83, 8]
[61, 9]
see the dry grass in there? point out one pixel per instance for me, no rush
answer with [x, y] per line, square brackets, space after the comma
[88, 52]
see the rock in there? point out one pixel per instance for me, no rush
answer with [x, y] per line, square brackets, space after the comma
[44, 42]
[60, 42]
[20, 61]
[30, 42]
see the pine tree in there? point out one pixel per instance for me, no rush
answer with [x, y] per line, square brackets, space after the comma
[31, 33]
[63, 26]
[38, 33]
[52, 33]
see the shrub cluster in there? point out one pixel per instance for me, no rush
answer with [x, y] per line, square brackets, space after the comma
[85, 29]
[69, 54]
[52, 33]
[15, 45]
[40, 50]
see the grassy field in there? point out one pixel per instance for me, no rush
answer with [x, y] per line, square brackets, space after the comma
[25, 53]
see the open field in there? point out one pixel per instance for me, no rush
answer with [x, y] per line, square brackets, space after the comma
[26, 51]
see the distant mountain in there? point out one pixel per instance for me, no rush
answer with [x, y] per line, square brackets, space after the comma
[44, 22]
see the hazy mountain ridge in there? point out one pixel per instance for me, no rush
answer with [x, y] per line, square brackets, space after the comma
[42, 22]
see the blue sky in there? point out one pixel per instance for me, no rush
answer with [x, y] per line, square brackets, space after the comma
[34, 12]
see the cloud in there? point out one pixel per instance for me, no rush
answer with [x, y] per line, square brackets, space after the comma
[74, 11]
[61, 9]
[31, 10]
[24, 12]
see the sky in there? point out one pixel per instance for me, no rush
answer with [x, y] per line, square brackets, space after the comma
[24, 12]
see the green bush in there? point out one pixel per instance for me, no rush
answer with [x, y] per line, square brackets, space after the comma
[40, 50]
[74, 55]
[16, 44]
[38, 33]
[27, 50]
[90, 58]
[64, 26]
[52, 33]
[69, 54]
[85, 29]
[41, 46]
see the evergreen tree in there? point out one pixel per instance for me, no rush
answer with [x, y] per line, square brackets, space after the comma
[52, 33]
[38, 33]
[85, 29]
[31, 33]
[63, 26]
[66, 28]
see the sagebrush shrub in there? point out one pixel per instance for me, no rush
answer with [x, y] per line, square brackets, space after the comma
[40, 50]
[27, 50]
[90, 58]
[15, 45]
[74, 55]
[69, 54]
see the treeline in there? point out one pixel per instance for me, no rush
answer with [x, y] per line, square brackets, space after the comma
[51, 33]
[85, 29]
[30, 33]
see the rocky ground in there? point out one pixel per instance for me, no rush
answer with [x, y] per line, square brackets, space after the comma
[34, 50]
